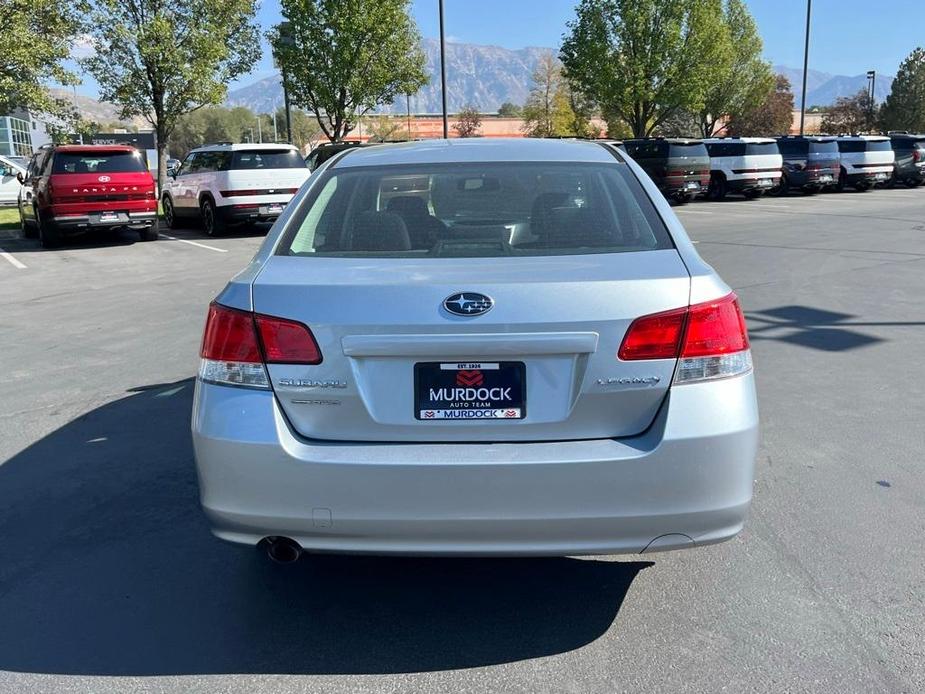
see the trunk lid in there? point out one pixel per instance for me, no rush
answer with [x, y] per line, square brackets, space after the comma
[562, 317]
[90, 187]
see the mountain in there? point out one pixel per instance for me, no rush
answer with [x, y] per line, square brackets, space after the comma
[93, 110]
[822, 88]
[484, 76]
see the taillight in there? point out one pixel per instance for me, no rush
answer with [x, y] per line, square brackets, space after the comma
[916, 155]
[287, 342]
[236, 345]
[710, 338]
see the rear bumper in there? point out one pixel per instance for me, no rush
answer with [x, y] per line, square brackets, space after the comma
[881, 176]
[68, 222]
[687, 481]
[248, 214]
[764, 181]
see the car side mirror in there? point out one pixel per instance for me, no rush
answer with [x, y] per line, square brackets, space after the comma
[20, 177]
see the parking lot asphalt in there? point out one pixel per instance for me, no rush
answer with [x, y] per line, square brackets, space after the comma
[111, 582]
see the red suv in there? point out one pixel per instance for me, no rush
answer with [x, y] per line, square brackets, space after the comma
[70, 189]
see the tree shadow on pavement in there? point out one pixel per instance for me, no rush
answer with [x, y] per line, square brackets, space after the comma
[107, 568]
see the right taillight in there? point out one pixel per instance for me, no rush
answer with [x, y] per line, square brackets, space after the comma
[709, 339]
[237, 344]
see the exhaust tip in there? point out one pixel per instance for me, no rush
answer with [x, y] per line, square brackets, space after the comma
[283, 550]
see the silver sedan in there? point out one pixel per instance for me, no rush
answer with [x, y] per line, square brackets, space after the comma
[476, 347]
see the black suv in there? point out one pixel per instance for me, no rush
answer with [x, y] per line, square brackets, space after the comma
[680, 168]
[910, 158]
[326, 150]
[811, 164]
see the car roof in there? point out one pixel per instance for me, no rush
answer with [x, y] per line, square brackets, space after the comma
[873, 138]
[669, 140]
[464, 150]
[244, 146]
[95, 148]
[807, 138]
[755, 140]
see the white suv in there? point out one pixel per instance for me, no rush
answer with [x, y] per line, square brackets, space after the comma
[866, 160]
[227, 184]
[746, 165]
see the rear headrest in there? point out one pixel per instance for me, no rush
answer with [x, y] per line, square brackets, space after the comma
[379, 231]
[408, 204]
[578, 226]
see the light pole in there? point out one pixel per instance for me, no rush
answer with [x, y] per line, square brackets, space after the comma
[871, 85]
[809, 11]
[446, 122]
[286, 39]
[408, 105]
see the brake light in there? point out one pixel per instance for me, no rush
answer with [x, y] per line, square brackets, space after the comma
[287, 342]
[657, 336]
[710, 338]
[255, 191]
[237, 344]
[916, 155]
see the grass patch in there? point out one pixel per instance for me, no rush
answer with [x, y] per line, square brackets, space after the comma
[9, 218]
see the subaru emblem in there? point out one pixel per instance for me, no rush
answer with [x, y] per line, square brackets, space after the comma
[468, 304]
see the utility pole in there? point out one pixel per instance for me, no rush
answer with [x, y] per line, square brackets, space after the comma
[809, 11]
[408, 105]
[259, 131]
[285, 37]
[275, 131]
[871, 86]
[446, 121]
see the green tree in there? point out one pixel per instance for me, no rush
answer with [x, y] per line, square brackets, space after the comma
[850, 114]
[773, 116]
[538, 112]
[161, 59]
[468, 121]
[342, 59]
[388, 128]
[510, 110]
[643, 60]
[35, 38]
[904, 108]
[740, 80]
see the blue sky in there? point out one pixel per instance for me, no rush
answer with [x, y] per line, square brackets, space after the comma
[848, 37]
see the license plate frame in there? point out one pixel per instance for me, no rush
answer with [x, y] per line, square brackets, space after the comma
[109, 217]
[272, 208]
[491, 379]
[765, 183]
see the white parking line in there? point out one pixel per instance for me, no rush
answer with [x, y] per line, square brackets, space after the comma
[15, 263]
[195, 243]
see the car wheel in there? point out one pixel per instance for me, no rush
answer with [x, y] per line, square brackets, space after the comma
[782, 187]
[717, 189]
[49, 236]
[148, 234]
[810, 190]
[911, 183]
[211, 223]
[28, 230]
[862, 187]
[170, 215]
[842, 181]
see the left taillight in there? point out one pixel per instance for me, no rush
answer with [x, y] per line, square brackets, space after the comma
[236, 345]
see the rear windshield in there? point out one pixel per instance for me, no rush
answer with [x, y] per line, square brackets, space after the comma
[646, 149]
[830, 147]
[267, 159]
[475, 210]
[864, 146]
[697, 149]
[761, 148]
[98, 162]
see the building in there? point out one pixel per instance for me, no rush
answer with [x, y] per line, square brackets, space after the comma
[21, 134]
[145, 142]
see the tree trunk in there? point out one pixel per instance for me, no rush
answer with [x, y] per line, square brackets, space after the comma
[161, 164]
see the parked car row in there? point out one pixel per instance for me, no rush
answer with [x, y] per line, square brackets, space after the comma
[752, 166]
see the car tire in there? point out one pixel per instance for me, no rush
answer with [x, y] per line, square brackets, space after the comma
[862, 187]
[717, 189]
[149, 233]
[49, 235]
[810, 190]
[752, 194]
[211, 224]
[169, 212]
[842, 181]
[28, 230]
[782, 188]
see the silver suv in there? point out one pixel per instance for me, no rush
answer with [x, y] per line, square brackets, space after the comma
[479, 347]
